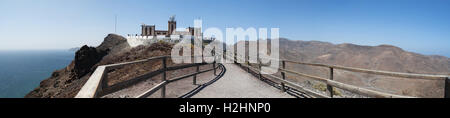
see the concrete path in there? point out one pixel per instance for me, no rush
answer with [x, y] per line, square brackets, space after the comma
[237, 83]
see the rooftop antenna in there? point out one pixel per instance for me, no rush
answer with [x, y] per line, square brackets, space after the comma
[115, 23]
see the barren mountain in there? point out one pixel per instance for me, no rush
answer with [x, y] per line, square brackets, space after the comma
[382, 57]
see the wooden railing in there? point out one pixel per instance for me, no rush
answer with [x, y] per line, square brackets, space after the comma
[330, 82]
[97, 84]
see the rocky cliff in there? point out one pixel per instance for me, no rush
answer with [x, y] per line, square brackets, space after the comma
[66, 82]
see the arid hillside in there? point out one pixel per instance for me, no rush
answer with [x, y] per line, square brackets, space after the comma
[66, 82]
[382, 57]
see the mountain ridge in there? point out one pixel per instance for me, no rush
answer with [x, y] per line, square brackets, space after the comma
[382, 57]
[328, 53]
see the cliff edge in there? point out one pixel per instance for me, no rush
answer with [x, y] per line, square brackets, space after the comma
[66, 82]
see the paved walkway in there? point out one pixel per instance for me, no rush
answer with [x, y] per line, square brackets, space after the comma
[237, 83]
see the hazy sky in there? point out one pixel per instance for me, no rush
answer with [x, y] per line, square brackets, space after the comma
[421, 26]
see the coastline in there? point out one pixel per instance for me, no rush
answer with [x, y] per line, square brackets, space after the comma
[23, 70]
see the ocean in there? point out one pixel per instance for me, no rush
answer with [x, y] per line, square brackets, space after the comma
[22, 71]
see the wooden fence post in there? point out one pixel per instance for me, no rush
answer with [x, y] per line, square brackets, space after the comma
[248, 63]
[163, 89]
[329, 87]
[447, 88]
[283, 75]
[259, 65]
[203, 48]
[235, 58]
[104, 81]
[214, 67]
[248, 66]
[194, 82]
[224, 55]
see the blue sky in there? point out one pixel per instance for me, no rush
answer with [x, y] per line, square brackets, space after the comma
[421, 26]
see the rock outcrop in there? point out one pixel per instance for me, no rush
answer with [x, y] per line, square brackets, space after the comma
[66, 83]
[85, 59]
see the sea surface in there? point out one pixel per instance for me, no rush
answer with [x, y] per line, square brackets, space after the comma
[22, 71]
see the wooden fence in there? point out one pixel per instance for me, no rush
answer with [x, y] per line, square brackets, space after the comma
[330, 82]
[97, 86]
